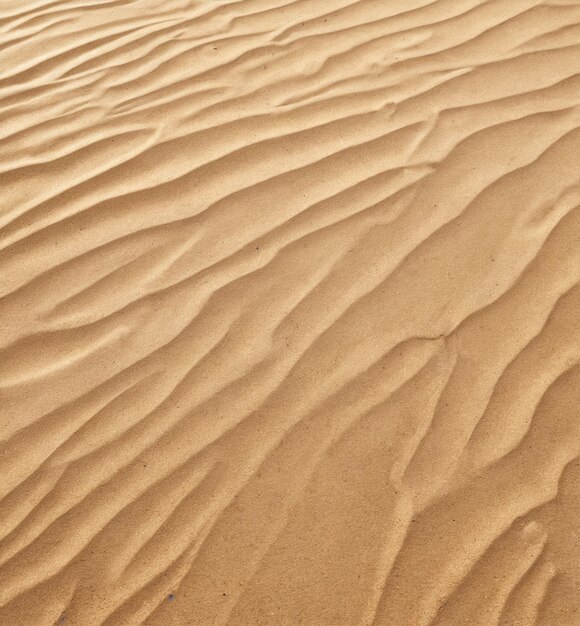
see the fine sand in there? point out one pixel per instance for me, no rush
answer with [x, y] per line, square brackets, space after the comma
[290, 312]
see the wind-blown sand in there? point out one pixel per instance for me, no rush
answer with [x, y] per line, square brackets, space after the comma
[290, 312]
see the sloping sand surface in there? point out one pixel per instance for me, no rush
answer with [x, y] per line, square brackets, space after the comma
[290, 312]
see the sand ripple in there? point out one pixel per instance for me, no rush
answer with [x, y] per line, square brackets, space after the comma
[290, 312]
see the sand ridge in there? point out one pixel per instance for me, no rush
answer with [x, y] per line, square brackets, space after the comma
[290, 312]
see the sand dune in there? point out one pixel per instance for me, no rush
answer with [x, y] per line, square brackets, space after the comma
[290, 312]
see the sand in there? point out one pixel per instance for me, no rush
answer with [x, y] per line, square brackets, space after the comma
[290, 312]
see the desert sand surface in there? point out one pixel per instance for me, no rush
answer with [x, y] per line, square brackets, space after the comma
[290, 312]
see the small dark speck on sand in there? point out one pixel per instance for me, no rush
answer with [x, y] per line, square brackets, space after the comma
[170, 597]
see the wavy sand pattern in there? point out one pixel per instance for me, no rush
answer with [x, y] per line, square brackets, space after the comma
[290, 312]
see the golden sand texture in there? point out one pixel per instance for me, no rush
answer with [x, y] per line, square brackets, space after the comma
[290, 312]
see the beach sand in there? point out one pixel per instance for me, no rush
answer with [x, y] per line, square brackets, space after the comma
[290, 312]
